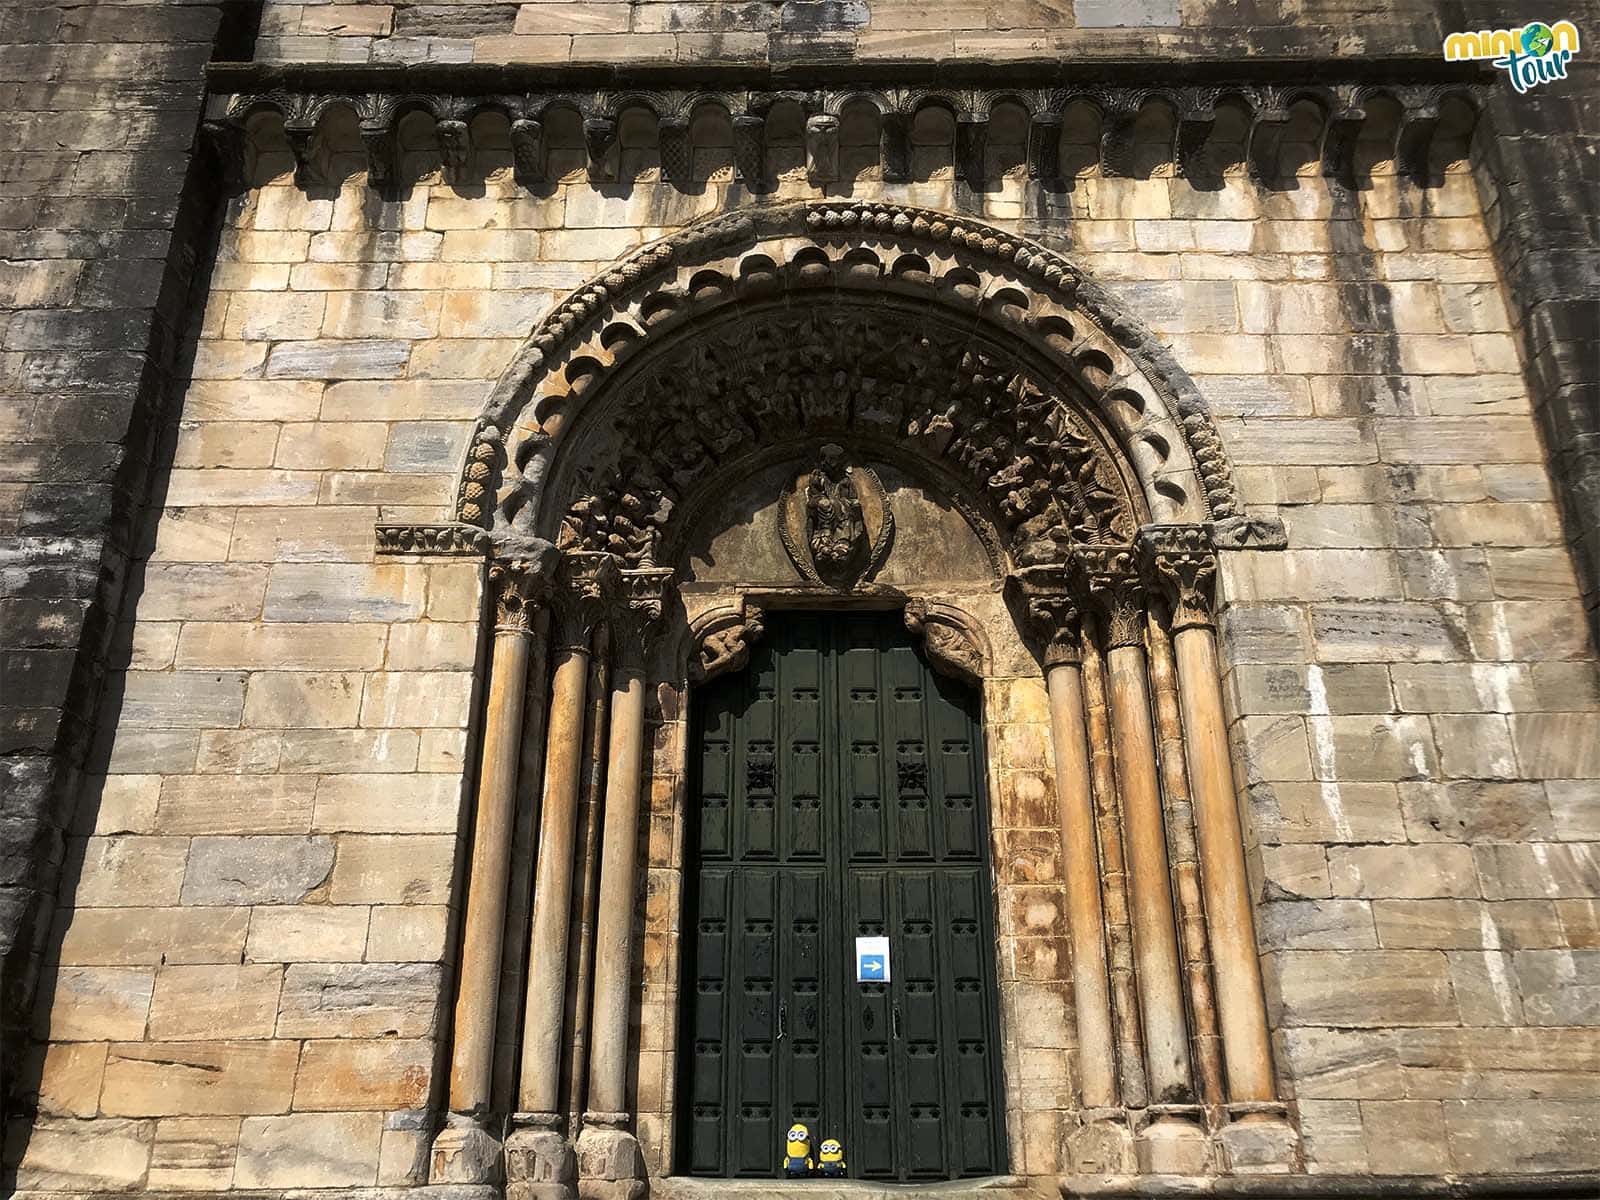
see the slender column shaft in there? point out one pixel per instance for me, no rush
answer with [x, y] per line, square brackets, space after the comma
[513, 585]
[1119, 933]
[1242, 1008]
[1185, 869]
[1085, 924]
[1155, 936]
[608, 1059]
[552, 886]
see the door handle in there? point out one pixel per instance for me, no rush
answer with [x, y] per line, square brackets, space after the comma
[783, 1020]
[897, 1022]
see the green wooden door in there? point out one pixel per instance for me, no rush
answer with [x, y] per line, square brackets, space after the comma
[839, 793]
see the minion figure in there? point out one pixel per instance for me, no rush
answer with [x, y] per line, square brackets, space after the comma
[797, 1162]
[830, 1159]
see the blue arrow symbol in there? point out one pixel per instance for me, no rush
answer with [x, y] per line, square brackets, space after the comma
[872, 966]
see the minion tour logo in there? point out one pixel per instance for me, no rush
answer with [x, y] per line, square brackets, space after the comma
[1534, 54]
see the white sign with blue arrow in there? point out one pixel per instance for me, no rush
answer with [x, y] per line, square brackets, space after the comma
[872, 960]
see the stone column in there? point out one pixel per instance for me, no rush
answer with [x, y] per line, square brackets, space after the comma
[1114, 587]
[610, 1165]
[464, 1151]
[539, 1161]
[1053, 616]
[1180, 558]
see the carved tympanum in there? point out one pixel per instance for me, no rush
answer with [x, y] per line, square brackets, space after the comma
[864, 376]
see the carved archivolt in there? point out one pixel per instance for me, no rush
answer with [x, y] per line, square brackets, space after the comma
[979, 350]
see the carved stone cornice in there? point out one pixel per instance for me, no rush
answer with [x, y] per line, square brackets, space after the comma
[1053, 612]
[1179, 560]
[520, 587]
[724, 644]
[586, 585]
[452, 539]
[636, 611]
[1109, 576]
[950, 648]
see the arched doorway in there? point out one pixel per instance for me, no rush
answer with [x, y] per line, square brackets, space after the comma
[837, 792]
[865, 407]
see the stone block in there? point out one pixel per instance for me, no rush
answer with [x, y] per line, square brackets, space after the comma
[432, 646]
[199, 1078]
[1559, 987]
[417, 699]
[70, 1077]
[1532, 573]
[1465, 924]
[1529, 629]
[1398, 987]
[1263, 633]
[1327, 812]
[1373, 748]
[1316, 925]
[151, 936]
[244, 487]
[207, 1003]
[1295, 872]
[366, 750]
[408, 933]
[1387, 632]
[1406, 872]
[257, 400]
[1274, 749]
[334, 360]
[1450, 687]
[228, 804]
[238, 752]
[424, 447]
[307, 933]
[386, 804]
[331, 446]
[85, 1156]
[1575, 807]
[113, 804]
[372, 1000]
[382, 314]
[1538, 869]
[194, 1153]
[309, 1150]
[345, 592]
[326, 534]
[182, 699]
[1558, 745]
[256, 870]
[1403, 1136]
[201, 592]
[352, 1074]
[96, 1004]
[1475, 811]
[1521, 1136]
[413, 869]
[133, 872]
[1474, 746]
[1485, 991]
[281, 646]
[1343, 1063]
[300, 699]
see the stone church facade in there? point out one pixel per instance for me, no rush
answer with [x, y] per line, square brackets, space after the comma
[534, 527]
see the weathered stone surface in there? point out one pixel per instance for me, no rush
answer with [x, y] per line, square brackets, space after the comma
[256, 870]
[97, 1004]
[205, 1003]
[105, 1154]
[1402, 871]
[352, 1074]
[372, 1000]
[309, 1150]
[1397, 987]
[199, 1078]
[194, 1153]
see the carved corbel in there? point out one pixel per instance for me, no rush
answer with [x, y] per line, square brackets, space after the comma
[750, 149]
[1194, 131]
[894, 140]
[306, 146]
[455, 148]
[1119, 113]
[600, 138]
[527, 151]
[640, 600]
[1266, 139]
[521, 586]
[950, 648]
[1044, 147]
[1109, 576]
[585, 586]
[822, 148]
[227, 143]
[972, 145]
[1052, 611]
[724, 643]
[1339, 137]
[677, 156]
[1419, 121]
[1179, 560]
[379, 141]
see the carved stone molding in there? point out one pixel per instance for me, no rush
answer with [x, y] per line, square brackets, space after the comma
[1109, 577]
[835, 522]
[951, 647]
[1248, 533]
[1341, 107]
[723, 642]
[640, 600]
[1180, 561]
[520, 586]
[1052, 606]
[586, 585]
[451, 539]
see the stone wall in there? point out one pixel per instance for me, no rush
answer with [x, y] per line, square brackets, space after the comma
[99, 234]
[253, 956]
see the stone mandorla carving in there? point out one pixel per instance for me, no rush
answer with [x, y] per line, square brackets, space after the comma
[870, 376]
[835, 521]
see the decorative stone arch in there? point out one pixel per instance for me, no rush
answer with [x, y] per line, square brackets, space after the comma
[813, 342]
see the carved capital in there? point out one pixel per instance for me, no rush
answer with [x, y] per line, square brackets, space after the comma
[949, 647]
[455, 148]
[527, 150]
[585, 586]
[1109, 576]
[1180, 561]
[640, 599]
[822, 148]
[1053, 611]
[520, 587]
[725, 644]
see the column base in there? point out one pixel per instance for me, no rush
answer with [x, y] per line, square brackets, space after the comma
[1259, 1140]
[1173, 1145]
[465, 1152]
[1102, 1144]
[540, 1164]
[610, 1163]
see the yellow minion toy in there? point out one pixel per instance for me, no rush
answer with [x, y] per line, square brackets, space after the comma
[797, 1152]
[830, 1159]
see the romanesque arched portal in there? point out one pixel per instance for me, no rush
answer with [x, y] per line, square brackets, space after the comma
[857, 407]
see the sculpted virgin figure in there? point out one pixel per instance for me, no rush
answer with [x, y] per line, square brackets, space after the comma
[833, 514]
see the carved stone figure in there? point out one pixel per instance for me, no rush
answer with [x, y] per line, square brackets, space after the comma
[833, 516]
